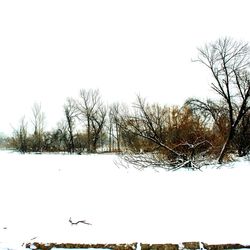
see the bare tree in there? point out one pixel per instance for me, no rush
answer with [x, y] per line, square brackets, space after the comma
[20, 139]
[209, 110]
[97, 125]
[242, 138]
[116, 111]
[38, 121]
[93, 112]
[214, 116]
[147, 122]
[229, 61]
[151, 124]
[70, 111]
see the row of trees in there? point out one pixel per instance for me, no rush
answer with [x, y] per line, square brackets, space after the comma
[82, 128]
[154, 134]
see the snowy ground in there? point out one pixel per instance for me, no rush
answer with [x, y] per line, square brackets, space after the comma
[39, 193]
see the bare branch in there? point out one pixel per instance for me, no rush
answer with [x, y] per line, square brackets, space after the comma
[79, 221]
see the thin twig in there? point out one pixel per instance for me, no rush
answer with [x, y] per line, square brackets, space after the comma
[79, 221]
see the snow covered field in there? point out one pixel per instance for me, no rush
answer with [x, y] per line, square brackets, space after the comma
[40, 193]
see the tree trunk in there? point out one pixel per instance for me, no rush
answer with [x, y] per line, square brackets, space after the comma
[226, 145]
[118, 135]
[72, 144]
[88, 136]
[71, 136]
[110, 137]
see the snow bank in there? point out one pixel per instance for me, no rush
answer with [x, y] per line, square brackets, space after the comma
[39, 193]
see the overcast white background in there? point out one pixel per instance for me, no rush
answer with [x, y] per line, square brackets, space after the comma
[49, 50]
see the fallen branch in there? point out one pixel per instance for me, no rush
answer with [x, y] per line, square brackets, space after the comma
[80, 221]
[155, 161]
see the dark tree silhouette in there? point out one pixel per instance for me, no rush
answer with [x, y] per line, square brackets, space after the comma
[229, 62]
[70, 111]
[93, 112]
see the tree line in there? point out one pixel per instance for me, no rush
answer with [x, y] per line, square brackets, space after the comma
[154, 134]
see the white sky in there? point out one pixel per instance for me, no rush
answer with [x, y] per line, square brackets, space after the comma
[49, 50]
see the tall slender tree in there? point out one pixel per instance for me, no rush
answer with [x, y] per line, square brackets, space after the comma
[116, 111]
[38, 121]
[229, 61]
[93, 113]
[70, 111]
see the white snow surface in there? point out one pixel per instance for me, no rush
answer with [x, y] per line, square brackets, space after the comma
[39, 193]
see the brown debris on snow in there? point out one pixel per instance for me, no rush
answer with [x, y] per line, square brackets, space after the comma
[159, 247]
[191, 245]
[49, 246]
[187, 245]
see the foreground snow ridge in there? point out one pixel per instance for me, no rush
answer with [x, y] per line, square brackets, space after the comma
[87, 198]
